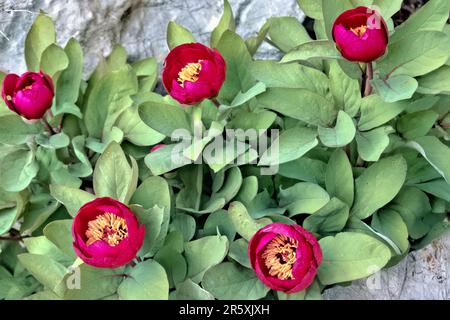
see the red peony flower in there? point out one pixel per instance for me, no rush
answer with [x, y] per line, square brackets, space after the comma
[361, 34]
[106, 233]
[29, 95]
[193, 72]
[285, 257]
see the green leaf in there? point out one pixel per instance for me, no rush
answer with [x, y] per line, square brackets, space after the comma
[53, 60]
[378, 185]
[239, 252]
[330, 218]
[8, 217]
[312, 8]
[293, 75]
[174, 264]
[258, 119]
[243, 223]
[40, 208]
[349, 256]
[431, 17]
[287, 33]
[135, 130]
[177, 34]
[190, 195]
[290, 145]
[185, 224]
[375, 112]
[253, 43]
[14, 131]
[94, 283]
[416, 124]
[339, 177]
[154, 191]
[331, 10]
[371, 144]
[438, 230]
[304, 169]
[219, 155]
[228, 281]
[413, 206]
[72, 199]
[84, 168]
[395, 88]
[164, 118]
[108, 98]
[388, 7]
[303, 197]
[248, 190]
[198, 262]
[147, 281]
[390, 223]
[59, 141]
[346, 91]
[435, 152]
[299, 104]
[226, 23]
[68, 85]
[220, 221]
[46, 270]
[318, 49]
[189, 290]
[60, 233]
[167, 159]
[238, 60]
[439, 188]
[416, 54]
[242, 98]
[69, 108]
[17, 169]
[341, 135]
[153, 219]
[113, 175]
[223, 193]
[44, 247]
[41, 35]
[436, 82]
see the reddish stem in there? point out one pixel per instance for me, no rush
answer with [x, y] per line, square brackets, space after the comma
[369, 77]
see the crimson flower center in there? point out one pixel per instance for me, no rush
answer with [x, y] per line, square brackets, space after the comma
[107, 227]
[189, 72]
[279, 257]
[359, 31]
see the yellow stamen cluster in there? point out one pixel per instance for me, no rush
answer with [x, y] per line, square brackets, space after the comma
[359, 31]
[107, 227]
[189, 73]
[279, 257]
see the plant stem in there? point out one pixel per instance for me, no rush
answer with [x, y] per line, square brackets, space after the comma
[367, 92]
[197, 123]
[368, 78]
[216, 102]
[47, 126]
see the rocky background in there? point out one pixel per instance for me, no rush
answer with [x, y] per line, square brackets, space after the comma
[140, 25]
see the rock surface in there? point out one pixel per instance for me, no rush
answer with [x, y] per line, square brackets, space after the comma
[140, 25]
